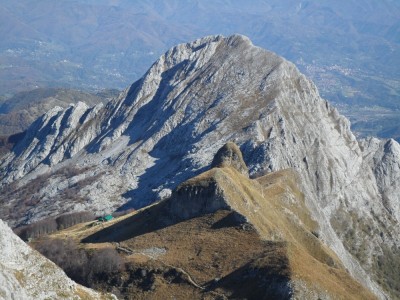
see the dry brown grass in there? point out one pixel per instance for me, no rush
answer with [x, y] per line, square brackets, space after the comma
[82, 230]
[317, 275]
[219, 252]
[19, 275]
[82, 294]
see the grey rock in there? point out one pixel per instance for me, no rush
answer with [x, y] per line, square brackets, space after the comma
[383, 157]
[18, 112]
[198, 96]
[25, 274]
[230, 155]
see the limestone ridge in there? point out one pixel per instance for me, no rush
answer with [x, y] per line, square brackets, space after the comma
[383, 157]
[25, 274]
[195, 198]
[230, 156]
[18, 112]
[205, 193]
[165, 128]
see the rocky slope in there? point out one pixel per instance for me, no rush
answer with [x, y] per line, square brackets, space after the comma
[222, 234]
[25, 274]
[19, 111]
[165, 128]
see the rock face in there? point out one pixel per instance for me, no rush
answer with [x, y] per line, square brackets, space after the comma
[230, 155]
[25, 274]
[20, 111]
[166, 127]
[383, 157]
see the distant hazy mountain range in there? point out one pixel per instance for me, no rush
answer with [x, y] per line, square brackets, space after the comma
[349, 48]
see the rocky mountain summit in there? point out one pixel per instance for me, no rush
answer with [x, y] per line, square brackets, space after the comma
[230, 155]
[25, 274]
[166, 127]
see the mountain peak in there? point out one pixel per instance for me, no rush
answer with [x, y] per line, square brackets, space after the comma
[167, 127]
[237, 38]
[230, 156]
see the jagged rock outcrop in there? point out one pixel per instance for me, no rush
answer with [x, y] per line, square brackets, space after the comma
[383, 157]
[25, 274]
[165, 128]
[205, 193]
[20, 111]
[230, 155]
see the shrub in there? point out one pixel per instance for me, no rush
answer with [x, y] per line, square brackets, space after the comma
[78, 264]
[68, 220]
[106, 261]
[66, 255]
[51, 225]
[37, 229]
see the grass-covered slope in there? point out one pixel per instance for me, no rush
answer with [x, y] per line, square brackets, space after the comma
[222, 234]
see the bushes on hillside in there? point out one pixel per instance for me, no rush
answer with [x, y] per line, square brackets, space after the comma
[83, 267]
[37, 229]
[67, 256]
[51, 225]
[68, 220]
[105, 261]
